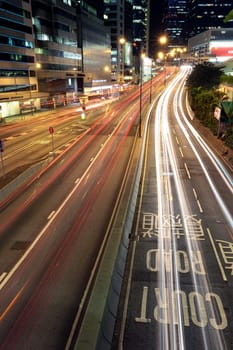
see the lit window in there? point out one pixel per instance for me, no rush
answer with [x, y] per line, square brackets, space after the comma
[67, 2]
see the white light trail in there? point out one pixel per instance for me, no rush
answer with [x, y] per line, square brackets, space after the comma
[219, 167]
[166, 162]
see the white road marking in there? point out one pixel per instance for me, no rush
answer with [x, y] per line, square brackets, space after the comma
[51, 214]
[217, 256]
[3, 275]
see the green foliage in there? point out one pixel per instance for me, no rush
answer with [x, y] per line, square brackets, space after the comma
[204, 97]
[228, 79]
[228, 17]
[203, 103]
[204, 75]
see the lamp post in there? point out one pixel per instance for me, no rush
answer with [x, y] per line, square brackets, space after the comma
[122, 58]
[165, 70]
[163, 41]
[140, 96]
[151, 77]
[37, 66]
[162, 57]
[106, 71]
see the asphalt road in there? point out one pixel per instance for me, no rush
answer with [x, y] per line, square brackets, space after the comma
[178, 286]
[29, 141]
[54, 228]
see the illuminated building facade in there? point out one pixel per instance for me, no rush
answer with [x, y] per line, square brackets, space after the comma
[70, 39]
[207, 15]
[17, 71]
[175, 21]
[118, 18]
[214, 45]
[184, 19]
[141, 24]
[50, 47]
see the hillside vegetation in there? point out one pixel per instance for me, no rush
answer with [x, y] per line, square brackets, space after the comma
[204, 96]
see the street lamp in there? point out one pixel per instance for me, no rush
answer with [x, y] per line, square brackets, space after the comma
[37, 66]
[122, 58]
[163, 40]
[162, 57]
[151, 78]
[104, 78]
[140, 96]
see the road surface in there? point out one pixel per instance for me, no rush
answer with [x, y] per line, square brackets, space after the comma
[178, 286]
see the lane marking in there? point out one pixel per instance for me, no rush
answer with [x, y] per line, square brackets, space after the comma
[51, 214]
[195, 193]
[56, 214]
[143, 318]
[216, 255]
[77, 180]
[198, 202]
[3, 275]
[199, 206]
[187, 170]
[181, 152]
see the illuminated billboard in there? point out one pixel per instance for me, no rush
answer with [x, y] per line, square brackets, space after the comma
[222, 50]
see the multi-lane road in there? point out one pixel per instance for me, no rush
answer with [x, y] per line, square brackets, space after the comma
[54, 227]
[178, 287]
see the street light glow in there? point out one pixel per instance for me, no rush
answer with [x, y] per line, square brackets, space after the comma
[163, 40]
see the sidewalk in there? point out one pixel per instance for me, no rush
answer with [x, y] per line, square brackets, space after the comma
[29, 115]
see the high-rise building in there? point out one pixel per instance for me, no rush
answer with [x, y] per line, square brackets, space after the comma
[57, 47]
[186, 18]
[17, 56]
[118, 18]
[70, 38]
[141, 37]
[206, 14]
[50, 47]
[175, 20]
[140, 25]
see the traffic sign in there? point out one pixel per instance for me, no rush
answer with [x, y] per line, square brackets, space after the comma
[51, 130]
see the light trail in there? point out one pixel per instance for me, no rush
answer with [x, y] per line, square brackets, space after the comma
[53, 216]
[172, 334]
[215, 339]
[219, 167]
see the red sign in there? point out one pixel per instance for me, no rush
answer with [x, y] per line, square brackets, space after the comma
[222, 51]
[51, 130]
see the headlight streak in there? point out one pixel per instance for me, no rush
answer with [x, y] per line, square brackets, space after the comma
[43, 231]
[172, 334]
[221, 170]
[165, 155]
[200, 283]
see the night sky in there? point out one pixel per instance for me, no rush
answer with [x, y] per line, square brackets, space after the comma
[157, 9]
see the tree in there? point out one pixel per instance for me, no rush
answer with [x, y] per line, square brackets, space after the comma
[228, 17]
[199, 75]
